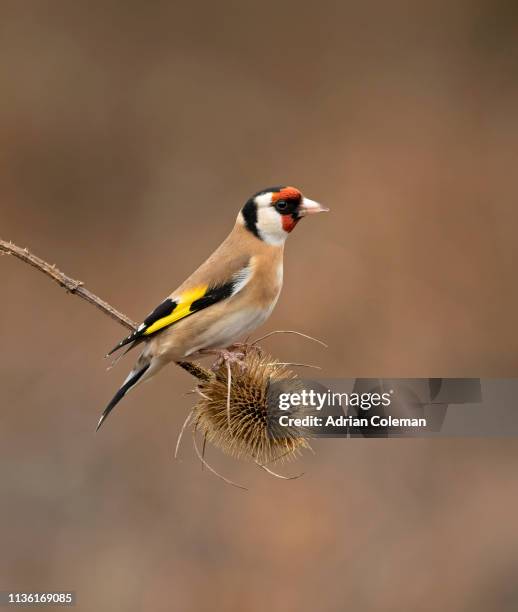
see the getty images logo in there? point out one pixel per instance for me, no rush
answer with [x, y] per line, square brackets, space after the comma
[318, 401]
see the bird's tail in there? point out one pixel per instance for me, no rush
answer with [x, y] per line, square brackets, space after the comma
[143, 369]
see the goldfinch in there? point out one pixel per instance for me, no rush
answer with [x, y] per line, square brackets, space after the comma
[228, 296]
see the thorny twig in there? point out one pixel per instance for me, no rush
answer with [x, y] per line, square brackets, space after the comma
[71, 285]
[77, 288]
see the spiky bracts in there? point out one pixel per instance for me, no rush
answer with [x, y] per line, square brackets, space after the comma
[237, 422]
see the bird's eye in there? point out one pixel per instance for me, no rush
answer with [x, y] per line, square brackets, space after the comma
[281, 205]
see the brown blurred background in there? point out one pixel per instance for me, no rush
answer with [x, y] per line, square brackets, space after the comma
[131, 133]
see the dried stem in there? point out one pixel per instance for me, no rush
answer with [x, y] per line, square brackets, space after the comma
[180, 435]
[289, 331]
[209, 467]
[280, 476]
[229, 387]
[301, 365]
[71, 285]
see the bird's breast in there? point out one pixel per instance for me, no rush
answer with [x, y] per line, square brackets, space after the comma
[229, 328]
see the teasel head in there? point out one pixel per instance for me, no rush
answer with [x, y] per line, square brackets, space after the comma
[234, 409]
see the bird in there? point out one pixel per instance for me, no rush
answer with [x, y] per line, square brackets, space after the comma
[231, 294]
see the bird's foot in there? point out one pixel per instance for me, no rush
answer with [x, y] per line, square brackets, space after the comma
[227, 357]
[244, 347]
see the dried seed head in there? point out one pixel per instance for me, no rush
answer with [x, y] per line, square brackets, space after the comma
[237, 421]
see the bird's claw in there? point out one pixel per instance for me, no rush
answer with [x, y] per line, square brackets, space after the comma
[228, 357]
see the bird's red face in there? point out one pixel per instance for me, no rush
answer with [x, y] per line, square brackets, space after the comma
[273, 213]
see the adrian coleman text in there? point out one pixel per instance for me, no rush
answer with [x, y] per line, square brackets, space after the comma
[349, 421]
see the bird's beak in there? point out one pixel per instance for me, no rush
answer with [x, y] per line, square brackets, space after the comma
[309, 207]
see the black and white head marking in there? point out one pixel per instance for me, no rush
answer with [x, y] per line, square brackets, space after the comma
[272, 213]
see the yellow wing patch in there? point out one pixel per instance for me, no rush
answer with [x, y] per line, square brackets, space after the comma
[183, 309]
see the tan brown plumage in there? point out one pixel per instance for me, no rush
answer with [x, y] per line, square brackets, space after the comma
[231, 294]
[209, 329]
